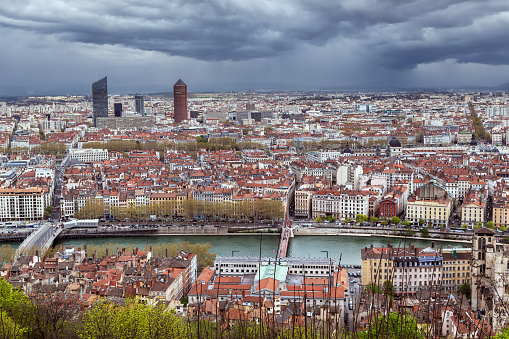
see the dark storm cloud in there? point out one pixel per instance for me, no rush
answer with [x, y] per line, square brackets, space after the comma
[393, 34]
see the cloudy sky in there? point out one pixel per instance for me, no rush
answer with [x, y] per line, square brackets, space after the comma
[62, 46]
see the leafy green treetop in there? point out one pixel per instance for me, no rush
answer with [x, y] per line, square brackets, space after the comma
[395, 220]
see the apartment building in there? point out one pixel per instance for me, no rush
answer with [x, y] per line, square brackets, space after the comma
[349, 176]
[500, 207]
[303, 198]
[431, 204]
[377, 265]
[394, 202]
[473, 208]
[88, 154]
[436, 212]
[416, 268]
[22, 204]
[407, 268]
[456, 267]
[340, 203]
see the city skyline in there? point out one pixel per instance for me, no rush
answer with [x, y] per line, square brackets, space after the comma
[240, 46]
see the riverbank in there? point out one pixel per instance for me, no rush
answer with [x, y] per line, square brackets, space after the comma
[370, 233]
[385, 236]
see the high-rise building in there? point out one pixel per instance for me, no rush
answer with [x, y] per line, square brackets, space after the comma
[180, 102]
[117, 109]
[139, 103]
[100, 98]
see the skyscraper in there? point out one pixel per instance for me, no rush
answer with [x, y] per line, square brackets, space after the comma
[117, 109]
[180, 102]
[100, 98]
[139, 103]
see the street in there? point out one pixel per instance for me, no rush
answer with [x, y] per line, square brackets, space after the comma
[354, 290]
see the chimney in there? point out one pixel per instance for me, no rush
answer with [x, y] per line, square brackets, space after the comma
[150, 248]
[433, 244]
[37, 253]
[106, 252]
[166, 253]
[138, 286]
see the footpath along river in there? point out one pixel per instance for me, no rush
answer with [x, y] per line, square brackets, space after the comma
[347, 246]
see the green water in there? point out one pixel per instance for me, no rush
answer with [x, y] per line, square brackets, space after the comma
[348, 247]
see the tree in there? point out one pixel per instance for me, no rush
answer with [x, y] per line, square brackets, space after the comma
[503, 228]
[318, 219]
[13, 312]
[425, 232]
[201, 138]
[373, 219]
[466, 290]
[406, 223]
[92, 210]
[189, 209]
[361, 218]
[52, 312]
[330, 218]
[47, 211]
[133, 320]
[503, 334]
[373, 288]
[421, 222]
[395, 220]
[6, 253]
[490, 224]
[464, 226]
[478, 225]
[395, 325]
[388, 288]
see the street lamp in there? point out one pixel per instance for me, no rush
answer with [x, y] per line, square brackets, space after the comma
[233, 252]
[326, 252]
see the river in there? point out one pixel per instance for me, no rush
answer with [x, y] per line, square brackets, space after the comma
[348, 247]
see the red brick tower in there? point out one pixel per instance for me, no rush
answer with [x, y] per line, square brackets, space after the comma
[180, 102]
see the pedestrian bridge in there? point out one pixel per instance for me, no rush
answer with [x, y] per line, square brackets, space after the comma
[286, 234]
[39, 241]
[286, 231]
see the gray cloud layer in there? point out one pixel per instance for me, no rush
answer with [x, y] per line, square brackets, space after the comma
[400, 34]
[293, 43]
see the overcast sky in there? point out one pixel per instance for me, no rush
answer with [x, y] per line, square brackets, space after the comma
[59, 46]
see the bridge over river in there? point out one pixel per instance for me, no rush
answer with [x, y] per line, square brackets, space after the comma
[286, 231]
[39, 241]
